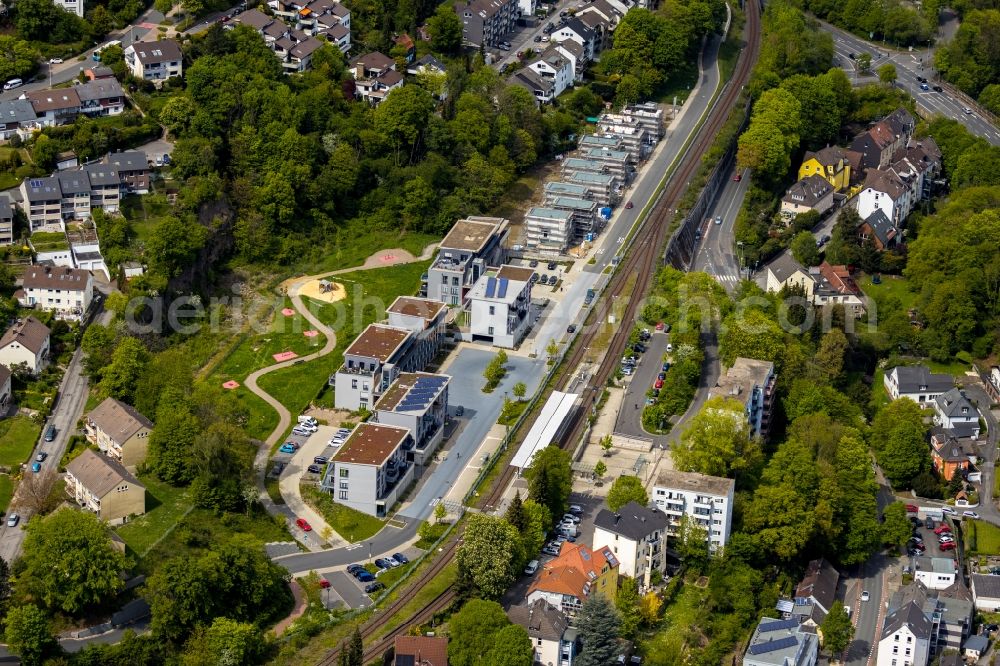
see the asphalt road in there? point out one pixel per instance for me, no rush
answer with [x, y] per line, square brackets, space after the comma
[716, 254]
[649, 366]
[910, 65]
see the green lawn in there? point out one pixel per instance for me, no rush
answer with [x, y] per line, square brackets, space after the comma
[985, 535]
[349, 524]
[165, 505]
[350, 246]
[890, 286]
[6, 491]
[18, 436]
[681, 624]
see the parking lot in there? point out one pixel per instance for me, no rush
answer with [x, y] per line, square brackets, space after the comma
[649, 365]
[348, 591]
[931, 540]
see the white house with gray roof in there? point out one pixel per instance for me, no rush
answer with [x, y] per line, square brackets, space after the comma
[417, 401]
[953, 410]
[17, 116]
[498, 306]
[552, 638]
[917, 383]
[637, 535]
[986, 592]
[553, 66]
[782, 643]
[936, 573]
[906, 636]
[155, 61]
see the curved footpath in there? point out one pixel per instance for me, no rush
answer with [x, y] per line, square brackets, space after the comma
[284, 416]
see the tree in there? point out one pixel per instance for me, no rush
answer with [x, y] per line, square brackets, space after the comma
[473, 630]
[356, 651]
[552, 349]
[598, 623]
[446, 28]
[515, 513]
[829, 358]
[896, 528]
[627, 603]
[98, 342]
[838, 631]
[537, 521]
[804, 249]
[17, 58]
[550, 479]
[897, 436]
[490, 554]
[600, 469]
[864, 62]
[519, 390]
[649, 608]
[607, 443]
[29, 634]
[171, 444]
[511, 647]
[440, 512]
[887, 74]
[626, 489]
[69, 563]
[751, 334]
[717, 441]
[120, 378]
[692, 544]
[225, 642]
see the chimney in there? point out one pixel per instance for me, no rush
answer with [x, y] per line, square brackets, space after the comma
[617, 517]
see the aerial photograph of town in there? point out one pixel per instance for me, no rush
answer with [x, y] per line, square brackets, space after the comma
[499, 332]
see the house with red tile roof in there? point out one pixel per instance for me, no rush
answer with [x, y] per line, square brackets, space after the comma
[576, 574]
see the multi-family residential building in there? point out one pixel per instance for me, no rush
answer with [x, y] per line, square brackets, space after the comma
[917, 383]
[105, 186]
[705, 500]
[66, 291]
[548, 229]
[948, 610]
[54, 107]
[101, 97]
[884, 190]
[17, 116]
[471, 246]
[133, 170]
[575, 54]
[417, 401]
[954, 411]
[72, 6]
[41, 200]
[553, 190]
[877, 229]
[936, 573]
[617, 161]
[295, 44]
[638, 133]
[328, 18]
[552, 639]
[604, 188]
[815, 594]
[6, 221]
[952, 452]
[905, 639]
[486, 22]
[542, 89]
[637, 535]
[838, 166]
[553, 66]
[810, 193]
[575, 30]
[71, 195]
[609, 141]
[102, 485]
[498, 307]
[750, 382]
[821, 285]
[119, 431]
[427, 320]
[25, 342]
[576, 574]
[155, 61]
[648, 115]
[782, 643]
[375, 76]
[369, 473]
[586, 165]
[371, 364]
[880, 142]
[74, 185]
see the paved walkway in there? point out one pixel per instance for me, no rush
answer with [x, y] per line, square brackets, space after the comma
[284, 416]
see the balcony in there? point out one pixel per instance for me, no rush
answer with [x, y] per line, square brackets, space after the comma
[356, 371]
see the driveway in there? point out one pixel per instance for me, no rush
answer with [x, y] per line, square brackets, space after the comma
[649, 366]
[288, 483]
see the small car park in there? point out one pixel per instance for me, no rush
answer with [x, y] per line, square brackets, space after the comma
[303, 525]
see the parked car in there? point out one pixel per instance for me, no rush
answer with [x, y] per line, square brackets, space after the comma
[575, 508]
[399, 557]
[950, 511]
[551, 550]
[662, 376]
[301, 432]
[552, 265]
[324, 583]
[948, 546]
[640, 348]
[286, 448]
[941, 529]
[571, 518]
[670, 347]
[13, 519]
[538, 38]
[459, 410]
[532, 567]
[321, 460]
[571, 329]
[303, 525]
[354, 568]
[314, 469]
[383, 563]
[373, 587]
[36, 467]
[365, 577]
[971, 514]
[665, 367]
[42, 455]
[658, 384]
[50, 433]
[866, 596]
[929, 523]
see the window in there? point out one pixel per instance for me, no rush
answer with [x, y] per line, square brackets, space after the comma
[343, 494]
[493, 310]
[343, 485]
[344, 472]
[354, 384]
[489, 331]
[444, 279]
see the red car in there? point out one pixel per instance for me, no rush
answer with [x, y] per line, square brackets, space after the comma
[324, 583]
[303, 525]
[941, 529]
[659, 326]
[738, 177]
[950, 545]
[628, 205]
[658, 384]
[911, 508]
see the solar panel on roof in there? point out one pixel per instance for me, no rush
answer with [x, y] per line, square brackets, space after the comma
[771, 646]
[502, 292]
[491, 287]
[778, 625]
[34, 183]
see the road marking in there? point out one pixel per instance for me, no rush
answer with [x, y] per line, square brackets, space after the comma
[621, 239]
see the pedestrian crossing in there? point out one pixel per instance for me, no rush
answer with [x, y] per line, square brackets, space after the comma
[729, 278]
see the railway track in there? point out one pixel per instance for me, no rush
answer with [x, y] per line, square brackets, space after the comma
[643, 260]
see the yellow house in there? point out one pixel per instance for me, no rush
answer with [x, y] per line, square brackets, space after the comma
[576, 574]
[100, 484]
[120, 431]
[834, 164]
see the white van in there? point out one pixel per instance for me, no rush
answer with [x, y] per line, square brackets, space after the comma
[532, 567]
[13, 83]
[307, 420]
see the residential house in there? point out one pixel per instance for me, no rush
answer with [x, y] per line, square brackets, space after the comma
[6, 221]
[54, 107]
[751, 383]
[486, 22]
[339, 35]
[375, 76]
[417, 401]
[119, 431]
[976, 647]
[878, 229]
[102, 485]
[260, 22]
[584, 214]
[834, 285]
[601, 27]
[948, 610]
[41, 201]
[951, 453]
[405, 44]
[916, 166]
[426, 319]
[84, 248]
[705, 500]
[784, 272]
[66, 291]
[604, 188]
[553, 66]
[66, 160]
[101, 97]
[72, 6]
[905, 639]
[838, 166]
[649, 115]
[552, 639]
[810, 193]
[542, 89]
[584, 165]
[574, 29]
[370, 471]
[952, 409]
[74, 185]
[618, 162]
[25, 342]
[880, 142]
[611, 142]
[574, 53]
[815, 593]
[5, 390]
[986, 592]
[554, 190]
[782, 643]
[576, 574]
[371, 364]
[548, 229]
[420, 651]
[17, 116]
[300, 55]
[936, 573]
[472, 245]
[498, 307]
[917, 383]
[105, 186]
[428, 63]
[295, 42]
[637, 536]
[133, 170]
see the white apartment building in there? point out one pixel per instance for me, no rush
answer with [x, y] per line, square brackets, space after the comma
[553, 66]
[917, 383]
[27, 342]
[66, 291]
[548, 229]
[370, 472]
[371, 365]
[498, 307]
[782, 643]
[426, 319]
[750, 382]
[155, 61]
[417, 401]
[706, 500]
[936, 573]
[471, 246]
[553, 640]
[637, 536]
[905, 637]
[953, 410]
[72, 6]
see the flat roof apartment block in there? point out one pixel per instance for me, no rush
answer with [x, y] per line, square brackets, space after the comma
[560, 189]
[649, 115]
[548, 229]
[751, 382]
[617, 161]
[604, 188]
[782, 643]
[427, 320]
[585, 217]
[472, 245]
[707, 500]
[370, 471]
[371, 364]
[498, 307]
[417, 401]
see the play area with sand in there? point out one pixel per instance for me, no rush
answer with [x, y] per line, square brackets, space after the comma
[327, 291]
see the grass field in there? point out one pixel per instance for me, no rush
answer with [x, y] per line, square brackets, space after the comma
[18, 436]
[890, 286]
[348, 523]
[350, 246]
[165, 505]
[681, 622]
[987, 537]
[6, 492]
